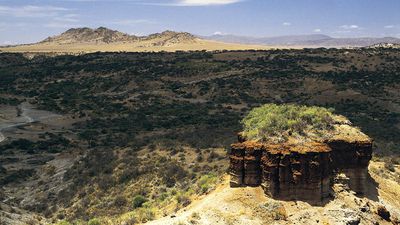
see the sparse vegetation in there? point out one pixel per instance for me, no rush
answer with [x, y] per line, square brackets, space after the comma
[275, 210]
[206, 182]
[157, 124]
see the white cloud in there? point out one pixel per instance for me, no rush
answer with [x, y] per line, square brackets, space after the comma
[217, 33]
[130, 22]
[68, 18]
[286, 23]
[317, 30]
[389, 26]
[9, 43]
[350, 27]
[31, 11]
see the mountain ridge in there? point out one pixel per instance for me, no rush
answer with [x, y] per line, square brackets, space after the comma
[311, 40]
[85, 39]
[103, 35]
[102, 39]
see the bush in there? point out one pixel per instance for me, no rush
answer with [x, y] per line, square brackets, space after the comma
[273, 121]
[94, 221]
[63, 222]
[183, 199]
[138, 201]
[206, 182]
[145, 214]
[120, 201]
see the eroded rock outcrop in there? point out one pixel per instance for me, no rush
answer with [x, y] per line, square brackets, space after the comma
[301, 171]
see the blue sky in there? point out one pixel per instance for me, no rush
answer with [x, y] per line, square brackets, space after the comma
[23, 21]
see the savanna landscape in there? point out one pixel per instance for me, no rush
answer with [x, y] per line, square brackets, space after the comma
[199, 112]
[138, 136]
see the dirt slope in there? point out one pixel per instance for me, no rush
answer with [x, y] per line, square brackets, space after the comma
[249, 205]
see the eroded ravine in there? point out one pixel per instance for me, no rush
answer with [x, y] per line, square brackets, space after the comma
[25, 114]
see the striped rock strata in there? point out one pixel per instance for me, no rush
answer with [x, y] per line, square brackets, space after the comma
[300, 171]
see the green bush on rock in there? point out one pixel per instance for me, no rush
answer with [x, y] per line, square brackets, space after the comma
[272, 122]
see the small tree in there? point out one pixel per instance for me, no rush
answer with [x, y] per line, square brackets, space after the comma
[138, 201]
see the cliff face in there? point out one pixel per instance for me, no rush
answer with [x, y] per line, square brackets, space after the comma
[352, 159]
[299, 172]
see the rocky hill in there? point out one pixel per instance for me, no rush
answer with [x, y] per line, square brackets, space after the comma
[88, 35]
[104, 35]
[302, 166]
[168, 38]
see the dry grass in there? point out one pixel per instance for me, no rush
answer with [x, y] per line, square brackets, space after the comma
[131, 47]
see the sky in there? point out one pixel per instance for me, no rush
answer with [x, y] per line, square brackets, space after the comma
[23, 21]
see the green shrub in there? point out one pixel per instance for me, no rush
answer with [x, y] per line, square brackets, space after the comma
[94, 221]
[273, 121]
[63, 222]
[206, 182]
[138, 201]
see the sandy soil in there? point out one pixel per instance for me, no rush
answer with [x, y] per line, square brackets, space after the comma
[131, 47]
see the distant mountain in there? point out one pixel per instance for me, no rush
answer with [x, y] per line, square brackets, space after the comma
[315, 40]
[104, 35]
[168, 38]
[88, 35]
[280, 40]
[358, 42]
[83, 40]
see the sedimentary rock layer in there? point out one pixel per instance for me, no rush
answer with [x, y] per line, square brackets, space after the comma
[299, 172]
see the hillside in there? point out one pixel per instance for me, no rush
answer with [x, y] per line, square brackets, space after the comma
[385, 45]
[124, 138]
[249, 205]
[77, 40]
[88, 35]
